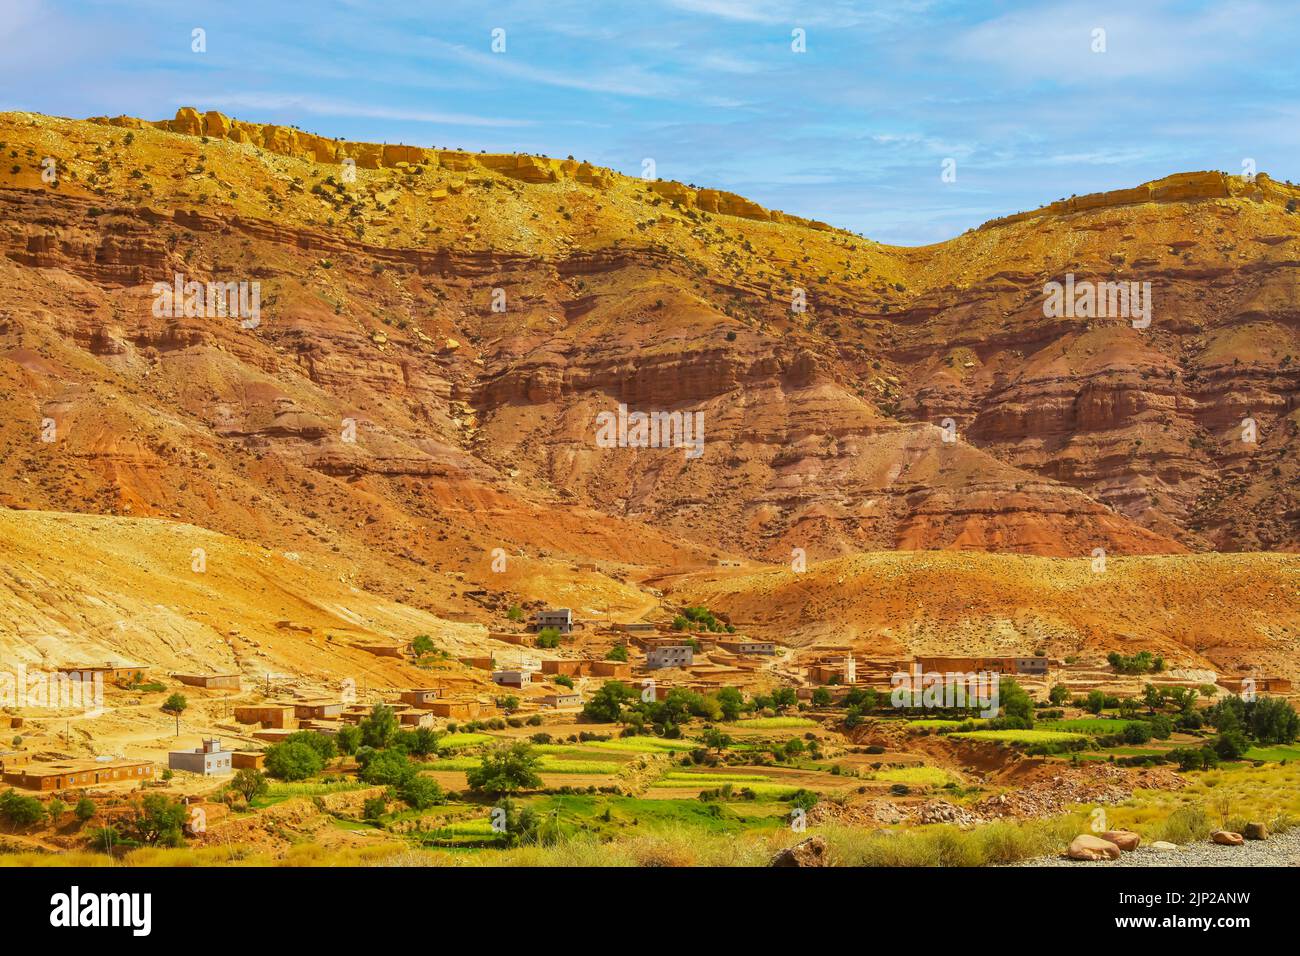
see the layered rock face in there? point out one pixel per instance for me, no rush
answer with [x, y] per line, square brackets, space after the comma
[440, 335]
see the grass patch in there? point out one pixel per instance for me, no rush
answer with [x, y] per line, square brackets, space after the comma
[915, 776]
[776, 723]
[1022, 736]
[643, 745]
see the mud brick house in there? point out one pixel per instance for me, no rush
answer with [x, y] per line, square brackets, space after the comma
[209, 759]
[479, 663]
[569, 668]
[110, 673]
[318, 709]
[618, 670]
[512, 678]
[12, 759]
[560, 618]
[415, 718]
[1262, 685]
[211, 681]
[572, 699]
[455, 709]
[670, 656]
[420, 696]
[746, 646]
[70, 774]
[268, 716]
[248, 759]
[1030, 666]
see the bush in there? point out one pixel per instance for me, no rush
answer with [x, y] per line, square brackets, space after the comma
[21, 811]
[420, 792]
[293, 761]
[1137, 732]
[84, 810]
[508, 769]
[321, 743]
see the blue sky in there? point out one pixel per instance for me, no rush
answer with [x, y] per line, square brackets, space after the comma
[854, 131]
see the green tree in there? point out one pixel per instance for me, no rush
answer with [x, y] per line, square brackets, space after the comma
[159, 821]
[564, 680]
[1016, 703]
[20, 810]
[420, 792]
[422, 741]
[379, 729]
[84, 810]
[389, 768]
[548, 637]
[423, 644]
[250, 783]
[617, 653]
[507, 769]
[348, 739]
[323, 744]
[821, 697]
[606, 705]
[175, 705]
[1096, 702]
[516, 613]
[1058, 695]
[293, 761]
[732, 703]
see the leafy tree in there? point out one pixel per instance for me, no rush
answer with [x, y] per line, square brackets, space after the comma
[783, 697]
[548, 637]
[732, 703]
[715, 739]
[420, 792]
[387, 767]
[564, 680]
[1231, 745]
[1016, 702]
[1058, 695]
[1272, 720]
[84, 810]
[250, 783]
[293, 761]
[20, 810]
[617, 653]
[374, 808]
[348, 739]
[423, 644]
[422, 741]
[323, 744]
[516, 613]
[379, 729]
[175, 705]
[606, 705]
[1137, 732]
[509, 703]
[507, 769]
[159, 820]
[1095, 703]
[680, 623]
[821, 697]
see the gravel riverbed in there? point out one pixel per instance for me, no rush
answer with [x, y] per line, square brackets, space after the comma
[1283, 850]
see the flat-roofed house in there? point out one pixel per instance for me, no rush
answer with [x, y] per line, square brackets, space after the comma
[209, 759]
[211, 681]
[670, 656]
[560, 618]
[269, 716]
[512, 678]
[420, 696]
[70, 774]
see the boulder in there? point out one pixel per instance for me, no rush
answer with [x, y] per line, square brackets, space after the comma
[1227, 838]
[1126, 840]
[1088, 847]
[811, 852]
[1165, 846]
[1256, 831]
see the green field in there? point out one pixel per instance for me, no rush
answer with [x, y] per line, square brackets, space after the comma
[915, 776]
[1022, 736]
[775, 723]
[461, 741]
[643, 745]
[1276, 753]
[939, 723]
[1094, 726]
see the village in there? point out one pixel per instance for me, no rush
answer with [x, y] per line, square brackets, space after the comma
[832, 703]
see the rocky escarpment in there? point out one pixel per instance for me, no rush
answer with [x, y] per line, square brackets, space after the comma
[471, 319]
